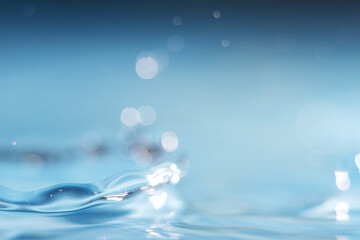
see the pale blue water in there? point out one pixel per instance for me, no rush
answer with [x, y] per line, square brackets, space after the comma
[262, 96]
[150, 201]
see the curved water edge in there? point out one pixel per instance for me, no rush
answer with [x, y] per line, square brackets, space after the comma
[75, 197]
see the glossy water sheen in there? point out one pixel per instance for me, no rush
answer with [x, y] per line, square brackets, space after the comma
[140, 205]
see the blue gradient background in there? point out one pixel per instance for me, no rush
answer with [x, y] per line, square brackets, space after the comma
[70, 68]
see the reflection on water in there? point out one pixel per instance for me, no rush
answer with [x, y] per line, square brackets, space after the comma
[147, 204]
[263, 98]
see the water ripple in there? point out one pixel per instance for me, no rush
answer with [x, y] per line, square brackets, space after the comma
[75, 197]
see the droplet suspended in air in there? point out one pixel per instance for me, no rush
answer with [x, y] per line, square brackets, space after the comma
[225, 43]
[147, 67]
[130, 117]
[217, 14]
[169, 141]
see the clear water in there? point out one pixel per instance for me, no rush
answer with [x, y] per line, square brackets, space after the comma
[149, 201]
[262, 95]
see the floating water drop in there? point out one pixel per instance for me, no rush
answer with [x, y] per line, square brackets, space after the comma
[217, 14]
[225, 43]
[130, 117]
[147, 67]
[169, 141]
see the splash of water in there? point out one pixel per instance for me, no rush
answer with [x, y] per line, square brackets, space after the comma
[75, 197]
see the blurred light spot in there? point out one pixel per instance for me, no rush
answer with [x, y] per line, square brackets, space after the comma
[322, 126]
[169, 141]
[225, 43]
[130, 117]
[217, 14]
[177, 21]
[285, 42]
[29, 9]
[158, 200]
[357, 161]
[147, 67]
[342, 210]
[344, 36]
[14, 143]
[147, 115]
[322, 54]
[342, 180]
[175, 43]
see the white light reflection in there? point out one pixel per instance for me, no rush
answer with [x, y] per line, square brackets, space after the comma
[147, 67]
[169, 141]
[175, 43]
[14, 143]
[342, 180]
[153, 234]
[225, 43]
[217, 14]
[177, 21]
[158, 200]
[164, 175]
[357, 161]
[161, 233]
[342, 210]
[161, 175]
[116, 197]
[130, 117]
[147, 115]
